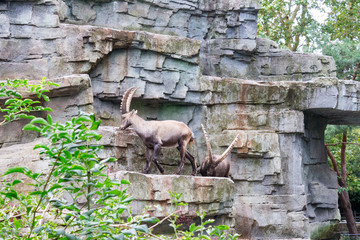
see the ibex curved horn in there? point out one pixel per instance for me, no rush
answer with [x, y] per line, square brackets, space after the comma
[227, 151]
[126, 101]
[207, 144]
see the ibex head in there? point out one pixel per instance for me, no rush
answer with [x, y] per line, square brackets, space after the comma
[216, 165]
[126, 115]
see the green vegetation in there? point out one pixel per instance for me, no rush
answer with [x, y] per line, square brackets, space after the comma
[15, 106]
[294, 25]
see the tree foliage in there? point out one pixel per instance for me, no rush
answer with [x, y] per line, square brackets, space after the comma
[346, 54]
[293, 25]
[343, 21]
[286, 22]
[342, 34]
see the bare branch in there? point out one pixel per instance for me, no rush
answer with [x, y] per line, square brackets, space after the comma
[162, 220]
[339, 143]
[333, 161]
[343, 156]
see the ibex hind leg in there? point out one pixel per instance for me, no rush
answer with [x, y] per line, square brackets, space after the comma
[149, 153]
[182, 150]
[191, 159]
[157, 150]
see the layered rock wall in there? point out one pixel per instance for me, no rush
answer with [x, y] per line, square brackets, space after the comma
[197, 62]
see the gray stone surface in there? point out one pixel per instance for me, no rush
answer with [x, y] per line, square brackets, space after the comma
[195, 61]
[212, 195]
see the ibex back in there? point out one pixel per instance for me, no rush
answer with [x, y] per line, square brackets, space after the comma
[157, 134]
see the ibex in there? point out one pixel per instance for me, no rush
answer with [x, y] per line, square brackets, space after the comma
[157, 134]
[216, 165]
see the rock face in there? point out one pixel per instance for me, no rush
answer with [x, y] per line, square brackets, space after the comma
[196, 61]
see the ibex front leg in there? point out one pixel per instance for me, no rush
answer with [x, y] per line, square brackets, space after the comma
[182, 150]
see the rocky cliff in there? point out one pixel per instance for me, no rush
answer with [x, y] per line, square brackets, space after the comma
[196, 61]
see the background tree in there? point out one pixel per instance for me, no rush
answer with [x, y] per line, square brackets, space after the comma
[343, 19]
[333, 136]
[286, 22]
[340, 167]
[294, 24]
[342, 28]
[291, 24]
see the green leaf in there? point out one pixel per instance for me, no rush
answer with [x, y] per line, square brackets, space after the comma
[82, 118]
[16, 181]
[67, 217]
[24, 116]
[222, 227]
[47, 109]
[38, 193]
[16, 170]
[39, 121]
[11, 194]
[150, 220]
[142, 228]
[49, 119]
[17, 223]
[119, 237]
[41, 146]
[88, 213]
[123, 181]
[68, 154]
[46, 98]
[131, 231]
[32, 127]
[55, 186]
[192, 227]
[10, 101]
[95, 125]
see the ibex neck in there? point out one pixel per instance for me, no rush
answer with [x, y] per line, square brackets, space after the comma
[138, 124]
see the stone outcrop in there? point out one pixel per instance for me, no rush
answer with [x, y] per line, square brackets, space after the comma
[196, 61]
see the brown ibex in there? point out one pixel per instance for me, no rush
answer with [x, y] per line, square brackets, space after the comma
[216, 165]
[157, 134]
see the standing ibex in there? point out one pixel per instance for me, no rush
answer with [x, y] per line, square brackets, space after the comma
[157, 134]
[216, 165]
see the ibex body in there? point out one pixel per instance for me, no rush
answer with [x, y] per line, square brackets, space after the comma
[158, 134]
[216, 165]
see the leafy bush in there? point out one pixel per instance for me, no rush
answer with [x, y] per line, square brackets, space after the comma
[75, 170]
[15, 107]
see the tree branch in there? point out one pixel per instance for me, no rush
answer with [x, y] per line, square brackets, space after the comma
[356, 69]
[162, 220]
[333, 161]
[339, 143]
[343, 156]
